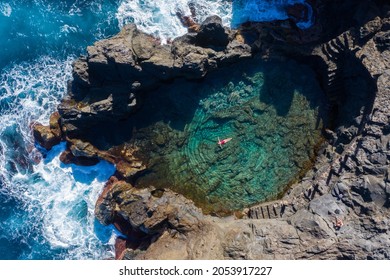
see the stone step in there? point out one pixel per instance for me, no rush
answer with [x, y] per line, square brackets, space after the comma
[335, 79]
[347, 41]
[339, 42]
[336, 87]
[266, 211]
[338, 84]
[332, 52]
[332, 68]
[334, 96]
[325, 51]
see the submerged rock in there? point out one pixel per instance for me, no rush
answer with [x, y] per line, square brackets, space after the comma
[338, 210]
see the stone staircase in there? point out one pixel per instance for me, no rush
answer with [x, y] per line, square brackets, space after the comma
[334, 53]
[266, 211]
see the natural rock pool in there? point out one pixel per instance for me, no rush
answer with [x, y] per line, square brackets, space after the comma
[271, 110]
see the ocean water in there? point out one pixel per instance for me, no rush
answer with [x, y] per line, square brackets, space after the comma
[255, 10]
[46, 208]
[158, 17]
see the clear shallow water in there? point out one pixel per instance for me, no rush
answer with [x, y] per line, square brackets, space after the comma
[46, 207]
[270, 110]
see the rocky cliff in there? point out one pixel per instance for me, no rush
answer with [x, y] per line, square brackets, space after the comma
[338, 210]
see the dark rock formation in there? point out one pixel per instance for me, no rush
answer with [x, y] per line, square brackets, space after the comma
[148, 211]
[67, 157]
[340, 208]
[212, 33]
[108, 81]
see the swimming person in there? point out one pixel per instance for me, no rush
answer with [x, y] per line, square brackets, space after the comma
[223, 142]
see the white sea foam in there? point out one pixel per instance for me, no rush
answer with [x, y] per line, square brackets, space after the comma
[67, 198]
[158, 17]
[5, 9]
[28, 92]
[58, 199]
[32, 89]
[68, 29]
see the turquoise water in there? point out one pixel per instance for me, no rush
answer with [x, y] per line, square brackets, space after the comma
[47, 207]
[272, 112]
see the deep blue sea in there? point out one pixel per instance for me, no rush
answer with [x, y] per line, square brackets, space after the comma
[46, 207]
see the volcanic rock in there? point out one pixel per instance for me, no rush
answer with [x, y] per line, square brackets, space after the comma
[212, 33]
[45, 136]
[67, 157]
[338, 210]
[54, 124]
[106, 82]
[143, 211]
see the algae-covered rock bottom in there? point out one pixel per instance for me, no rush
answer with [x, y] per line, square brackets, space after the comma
[271, 112]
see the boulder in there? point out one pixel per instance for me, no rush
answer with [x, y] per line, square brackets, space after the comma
[54, 124]
[145, 212]
[212, 33]
[80, 148]
[44, 136]
[106, 203]
[67, 157]
[127, 169]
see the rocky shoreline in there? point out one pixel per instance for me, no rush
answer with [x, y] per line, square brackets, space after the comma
[338, 210]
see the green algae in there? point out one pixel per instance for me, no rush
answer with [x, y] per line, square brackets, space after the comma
[272, 112]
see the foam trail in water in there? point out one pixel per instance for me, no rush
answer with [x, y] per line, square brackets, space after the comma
[158, 17]
[55, 201]
[28, 92]
[5, 9]
[68, 204]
